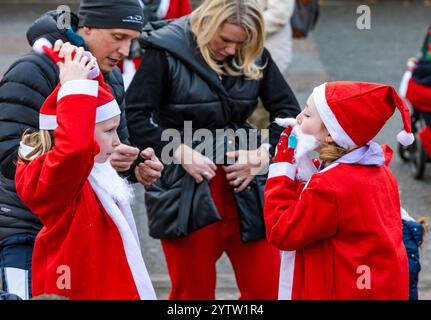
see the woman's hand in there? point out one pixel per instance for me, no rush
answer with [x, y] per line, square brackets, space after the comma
[76, 68]
[248, 164]
[196, 165]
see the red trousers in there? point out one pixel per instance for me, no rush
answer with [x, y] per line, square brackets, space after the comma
[191, 260]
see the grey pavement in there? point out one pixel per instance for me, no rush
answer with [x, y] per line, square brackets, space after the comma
[335, 51]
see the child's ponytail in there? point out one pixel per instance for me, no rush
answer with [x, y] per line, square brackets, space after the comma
[41, 142]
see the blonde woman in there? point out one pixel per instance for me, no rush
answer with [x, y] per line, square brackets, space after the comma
[209, 69]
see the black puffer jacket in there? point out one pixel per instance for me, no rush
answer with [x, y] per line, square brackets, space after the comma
[174, 85]
[23, 90]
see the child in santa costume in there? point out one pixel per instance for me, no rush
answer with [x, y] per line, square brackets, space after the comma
[340, 228]
[89, 246]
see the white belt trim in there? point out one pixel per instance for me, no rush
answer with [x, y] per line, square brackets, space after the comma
[287, 269]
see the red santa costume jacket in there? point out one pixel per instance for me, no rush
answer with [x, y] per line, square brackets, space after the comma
[87, 248]
[341, 233]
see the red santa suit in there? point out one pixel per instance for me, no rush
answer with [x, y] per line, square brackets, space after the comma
[341, 233]
[88, 247]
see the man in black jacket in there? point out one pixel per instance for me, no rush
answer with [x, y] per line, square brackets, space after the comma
[106, 29]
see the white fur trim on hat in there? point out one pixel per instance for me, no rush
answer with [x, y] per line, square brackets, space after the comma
[107, 111]
[87, 87]
[405, 138]
[39, 44]
[286, 122]
[329, 120]
[47, 121]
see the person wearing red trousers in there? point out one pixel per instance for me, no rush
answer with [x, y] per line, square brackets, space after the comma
[255, 264]
[211, 78]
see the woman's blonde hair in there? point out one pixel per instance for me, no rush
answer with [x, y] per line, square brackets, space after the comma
[210, 16]
[41, 142]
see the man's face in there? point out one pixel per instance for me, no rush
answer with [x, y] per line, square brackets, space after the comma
[109, 46]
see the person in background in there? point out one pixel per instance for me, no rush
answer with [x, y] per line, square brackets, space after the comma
[154, 10]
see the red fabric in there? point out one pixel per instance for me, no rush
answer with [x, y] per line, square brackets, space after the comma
[419, 95]
[77, 231]
[425, 137]
[178, 8]
[362, 108]
[336, 226]
[192, 260]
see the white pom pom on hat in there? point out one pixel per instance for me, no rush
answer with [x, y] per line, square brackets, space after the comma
[405, 138]
[40, 43]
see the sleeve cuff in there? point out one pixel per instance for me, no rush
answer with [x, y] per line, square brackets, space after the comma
[282, 169]
[86, 87]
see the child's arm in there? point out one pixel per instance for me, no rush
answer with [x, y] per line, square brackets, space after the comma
[51, 181]
[294, 220]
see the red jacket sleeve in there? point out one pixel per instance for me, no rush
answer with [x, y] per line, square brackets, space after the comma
[293, 219]
[50, 182]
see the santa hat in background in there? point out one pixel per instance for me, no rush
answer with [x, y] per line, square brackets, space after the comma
[107, 105]
[43, 46]
[355, 112]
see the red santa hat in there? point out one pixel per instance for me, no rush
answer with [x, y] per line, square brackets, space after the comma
[43, 46]
[354, 112]
[107, 105]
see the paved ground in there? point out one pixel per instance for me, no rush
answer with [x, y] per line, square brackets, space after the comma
[336, 51]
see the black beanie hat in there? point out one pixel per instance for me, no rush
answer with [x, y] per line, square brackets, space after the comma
[111, 14]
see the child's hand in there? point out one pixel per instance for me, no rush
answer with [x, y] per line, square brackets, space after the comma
[76, 68]
[285, 146]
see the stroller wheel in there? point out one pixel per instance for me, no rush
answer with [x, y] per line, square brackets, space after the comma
[403, 152]
[418, 160]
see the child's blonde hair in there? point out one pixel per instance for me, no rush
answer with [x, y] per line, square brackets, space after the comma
[209, 17]
[332, 151]
[42, 141]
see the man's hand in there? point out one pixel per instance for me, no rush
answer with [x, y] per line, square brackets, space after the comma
[150, 170]
[123, 157]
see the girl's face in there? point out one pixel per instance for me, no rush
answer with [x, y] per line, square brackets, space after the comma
[106, 136]
[310, 122]
[226, 41]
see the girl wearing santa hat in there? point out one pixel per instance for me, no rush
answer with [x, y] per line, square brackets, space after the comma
[340, 228]
[88, 247]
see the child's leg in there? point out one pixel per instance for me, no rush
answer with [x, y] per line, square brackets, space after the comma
[425, 133]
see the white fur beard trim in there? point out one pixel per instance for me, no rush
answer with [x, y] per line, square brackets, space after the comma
[108, 179]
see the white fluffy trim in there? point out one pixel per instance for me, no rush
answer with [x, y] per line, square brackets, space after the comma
[405, 138]
[39, 44]
[286, 122]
